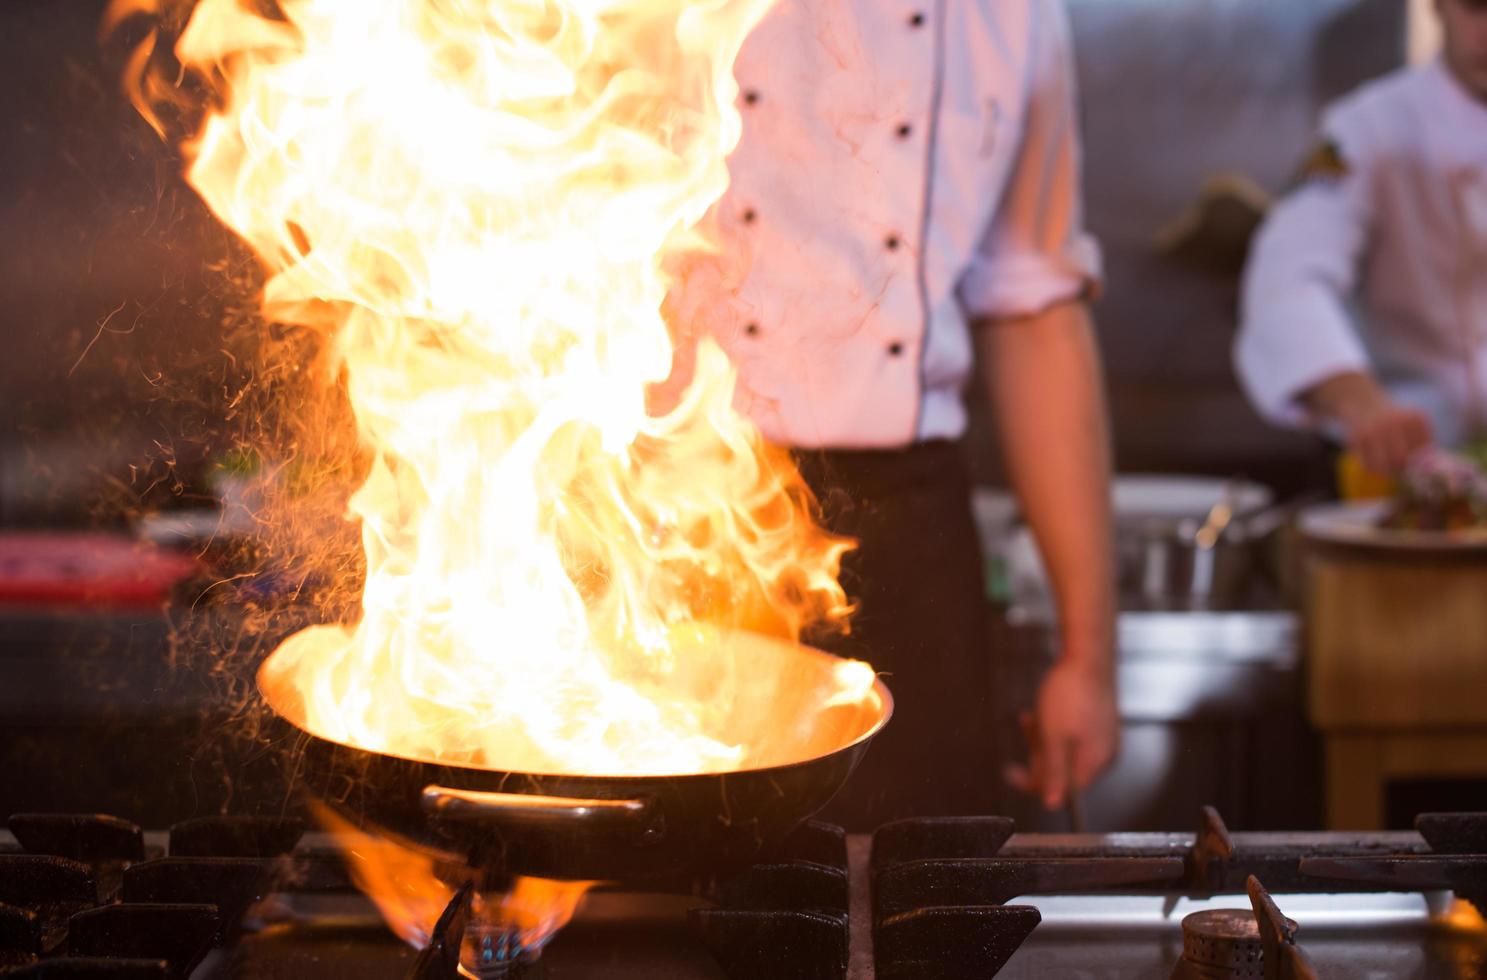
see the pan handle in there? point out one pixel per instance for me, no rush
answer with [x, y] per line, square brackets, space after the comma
[528, 810]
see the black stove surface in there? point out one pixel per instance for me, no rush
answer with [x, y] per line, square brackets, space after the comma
[623, 936]
[94, 897]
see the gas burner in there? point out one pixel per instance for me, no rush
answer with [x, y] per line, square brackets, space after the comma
[782, 919]
[1234, 944]
[1221, 943]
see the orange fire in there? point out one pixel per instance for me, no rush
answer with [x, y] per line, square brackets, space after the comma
[478, 201]
[412, 888]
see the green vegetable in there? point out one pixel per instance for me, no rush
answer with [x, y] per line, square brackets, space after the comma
[1476, 451]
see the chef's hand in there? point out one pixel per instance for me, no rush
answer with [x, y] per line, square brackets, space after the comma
[1071, 736]
[1388, 436]
[1384, 433]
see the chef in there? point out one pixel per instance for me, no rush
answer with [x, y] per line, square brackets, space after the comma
[905, 197]
[1365, 298]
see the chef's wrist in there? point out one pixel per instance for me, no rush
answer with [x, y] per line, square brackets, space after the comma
[1086, 619]
[1350, 399]
[1092, 652]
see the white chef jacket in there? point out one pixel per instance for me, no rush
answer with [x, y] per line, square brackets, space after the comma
[904, 167]
[1383, 268]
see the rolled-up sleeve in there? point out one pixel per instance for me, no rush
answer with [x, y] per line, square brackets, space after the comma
[1036, 253]
[1295, 328]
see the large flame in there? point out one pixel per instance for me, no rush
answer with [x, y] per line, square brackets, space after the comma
[477, 201]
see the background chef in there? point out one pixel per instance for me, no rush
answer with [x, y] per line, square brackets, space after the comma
[906, 193]
[1365, 298]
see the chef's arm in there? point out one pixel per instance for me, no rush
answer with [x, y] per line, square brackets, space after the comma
[1043, 376]
[1297, 352]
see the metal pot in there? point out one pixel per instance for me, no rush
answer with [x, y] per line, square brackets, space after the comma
[1174, 564]
[1208, 563]
[555, 825]
[1159, 561]
[1176, 539]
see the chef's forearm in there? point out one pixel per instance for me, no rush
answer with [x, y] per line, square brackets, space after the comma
[1296, 326]
[1345, 398]
[1044, 379]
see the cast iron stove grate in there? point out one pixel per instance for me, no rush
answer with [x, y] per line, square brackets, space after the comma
[92, 897]
[82, 897]
[783, 919]
[940, 886]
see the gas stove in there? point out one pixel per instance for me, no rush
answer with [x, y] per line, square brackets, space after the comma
[90, 896]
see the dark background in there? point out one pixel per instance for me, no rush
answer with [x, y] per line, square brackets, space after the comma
[114, 293]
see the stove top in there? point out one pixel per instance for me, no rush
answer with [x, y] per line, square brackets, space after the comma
[88, 896]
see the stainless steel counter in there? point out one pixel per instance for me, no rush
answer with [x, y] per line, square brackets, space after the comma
[1182, 666]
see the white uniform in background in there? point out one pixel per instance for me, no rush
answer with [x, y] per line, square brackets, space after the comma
[1378, 261]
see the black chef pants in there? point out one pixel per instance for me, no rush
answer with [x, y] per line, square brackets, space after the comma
[921, 621]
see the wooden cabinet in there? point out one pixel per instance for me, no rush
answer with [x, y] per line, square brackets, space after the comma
[1397, 671]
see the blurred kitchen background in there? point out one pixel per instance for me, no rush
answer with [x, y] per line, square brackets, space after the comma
[114, 377]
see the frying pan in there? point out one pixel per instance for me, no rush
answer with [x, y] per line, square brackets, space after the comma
[801, 745]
